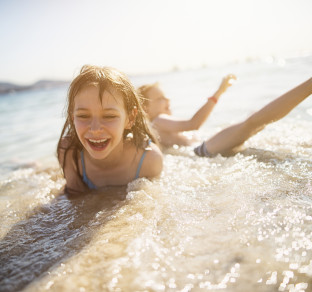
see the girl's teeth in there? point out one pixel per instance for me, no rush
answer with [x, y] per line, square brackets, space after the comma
[97, 141]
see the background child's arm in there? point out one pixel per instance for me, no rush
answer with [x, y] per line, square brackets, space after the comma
[170, 124]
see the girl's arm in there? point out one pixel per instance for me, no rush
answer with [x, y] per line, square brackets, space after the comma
[170, 124]
[65, 155]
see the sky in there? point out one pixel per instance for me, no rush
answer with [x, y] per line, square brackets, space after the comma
[52, 39]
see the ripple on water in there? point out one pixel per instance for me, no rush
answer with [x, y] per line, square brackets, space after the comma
[242, 223]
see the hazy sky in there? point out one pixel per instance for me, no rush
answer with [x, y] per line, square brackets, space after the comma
[54, 38]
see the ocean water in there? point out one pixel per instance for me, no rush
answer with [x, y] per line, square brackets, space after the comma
[242, 223]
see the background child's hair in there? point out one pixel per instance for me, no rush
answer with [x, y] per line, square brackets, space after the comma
[143, 91]
[105, 78]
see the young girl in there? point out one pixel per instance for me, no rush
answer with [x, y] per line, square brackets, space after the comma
[228, 141]
[105, 140]
[170, 129]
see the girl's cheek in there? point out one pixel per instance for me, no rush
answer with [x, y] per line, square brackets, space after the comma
[80, 126]
[80, 123]
[114, 124]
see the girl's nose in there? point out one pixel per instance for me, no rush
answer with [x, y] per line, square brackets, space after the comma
[95, 125]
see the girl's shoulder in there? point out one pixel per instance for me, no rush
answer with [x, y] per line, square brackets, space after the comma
[153, 161]
[162, 119]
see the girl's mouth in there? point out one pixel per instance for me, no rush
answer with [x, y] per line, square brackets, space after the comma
[98, 144]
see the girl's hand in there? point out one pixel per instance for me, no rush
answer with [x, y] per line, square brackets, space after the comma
[227, 81]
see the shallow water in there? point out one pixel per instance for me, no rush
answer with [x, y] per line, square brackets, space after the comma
[242, 223]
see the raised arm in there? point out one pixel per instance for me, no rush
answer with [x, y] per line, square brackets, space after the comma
[171, 124]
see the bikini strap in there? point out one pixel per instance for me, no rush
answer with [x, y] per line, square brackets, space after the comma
[141, 160]
[84, 174]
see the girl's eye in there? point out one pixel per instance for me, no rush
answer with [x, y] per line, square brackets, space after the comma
[82, 116]
[109, 117]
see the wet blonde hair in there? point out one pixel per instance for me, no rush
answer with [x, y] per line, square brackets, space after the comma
[142, 90]
[105, 78]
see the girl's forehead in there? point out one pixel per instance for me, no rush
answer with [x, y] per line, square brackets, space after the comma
[90, 93]
[112, 95]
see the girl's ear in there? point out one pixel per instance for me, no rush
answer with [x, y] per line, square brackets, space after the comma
[131, 118]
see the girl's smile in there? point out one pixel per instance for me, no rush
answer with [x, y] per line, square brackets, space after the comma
[98, 145]
[100, 123]
[106, 139]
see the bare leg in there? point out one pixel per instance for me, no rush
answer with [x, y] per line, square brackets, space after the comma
[231, 138]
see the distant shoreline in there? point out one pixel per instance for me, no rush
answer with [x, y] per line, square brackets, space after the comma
[6, 87]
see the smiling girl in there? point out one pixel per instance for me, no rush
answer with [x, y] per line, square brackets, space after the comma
[105, 140]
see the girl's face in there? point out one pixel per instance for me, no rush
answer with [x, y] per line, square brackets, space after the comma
[157, 103]
[100, 126]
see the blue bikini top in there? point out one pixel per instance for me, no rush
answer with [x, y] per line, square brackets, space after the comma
[90, 184]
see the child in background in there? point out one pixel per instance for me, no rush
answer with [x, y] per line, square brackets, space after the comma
[228, 141]
[105, 140]
[169, 128]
